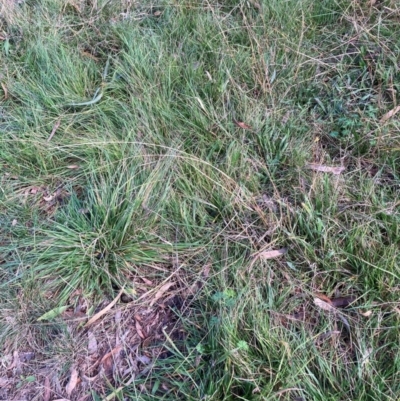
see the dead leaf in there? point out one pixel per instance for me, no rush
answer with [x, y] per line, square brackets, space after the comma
[104, 311]
[73, 316]
[73, 166]
[16, 362]
[324, 305]
[157, 13]
[90, 55]
[206, 270]
[5, 91]
[272, 254]
[56, 125]
[146, 281]
[108, 361]
[139, 330]
[326, 169]
[34, 190]
[368, 313]
[73, 381]
[161, 292]
[343, 302]
[47, 390]
[242, 125]
[390, 114]
[92, 343]
[323, 297]
[48, 198]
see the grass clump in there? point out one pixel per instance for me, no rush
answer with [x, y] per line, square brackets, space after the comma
[143, 219]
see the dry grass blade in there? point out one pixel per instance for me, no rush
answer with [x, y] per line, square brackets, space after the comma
[390, 114]
[98, 315]
[56, 125]
[47, 390]
[326, 169]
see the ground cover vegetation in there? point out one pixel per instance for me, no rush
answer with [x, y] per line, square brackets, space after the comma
[199, 200]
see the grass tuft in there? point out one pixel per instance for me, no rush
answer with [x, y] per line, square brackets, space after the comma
[153, 153]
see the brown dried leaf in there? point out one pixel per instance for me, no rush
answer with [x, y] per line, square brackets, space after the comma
[139, 330]
[323, 297]
[73, 381]
[157, 13]
[108, 359]
[272, 254]
[242, 125]
[16, 361]
[92, 343]
[390, 114]
[48, 198]
[324, 305]
[103, 311]
[206, 270]
[146, 281]
[34, 190]
[73, 316]
[368, 313]
[90, 55]
[161, 292]
[326, 169]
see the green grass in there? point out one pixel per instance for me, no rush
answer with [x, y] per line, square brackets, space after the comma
[157, 183]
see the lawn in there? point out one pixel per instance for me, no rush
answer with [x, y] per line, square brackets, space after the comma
[200, 200]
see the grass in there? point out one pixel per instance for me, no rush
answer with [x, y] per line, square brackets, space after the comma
[171, 187]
